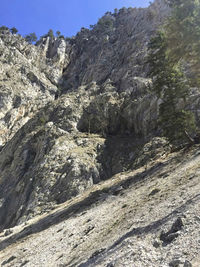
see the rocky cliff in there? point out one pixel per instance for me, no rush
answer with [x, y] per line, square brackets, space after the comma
[75, 116]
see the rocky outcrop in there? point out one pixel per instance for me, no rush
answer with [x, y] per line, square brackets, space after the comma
[53, 149]
[115, 49]
[113, 52]
[28, 80]
[85, 178]
[75, 142]
[119, 222]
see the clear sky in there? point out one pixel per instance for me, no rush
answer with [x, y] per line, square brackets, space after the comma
[67, 16]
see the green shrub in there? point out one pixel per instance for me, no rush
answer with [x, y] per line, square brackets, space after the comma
[58, 33]
[50, 34]
[14, 30]
[3, 28]
[31, 38]
[106, 23]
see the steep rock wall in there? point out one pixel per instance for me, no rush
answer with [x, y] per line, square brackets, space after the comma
[28, 80]
[54, 149]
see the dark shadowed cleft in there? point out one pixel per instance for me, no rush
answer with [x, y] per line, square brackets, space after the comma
[8, 260]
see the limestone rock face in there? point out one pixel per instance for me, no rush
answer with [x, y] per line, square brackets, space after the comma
[113, 53]
[47, 162]
[68, 146]
[115, 48]
[85, 178]
[143, 217]
[73, 112]
[28, 80]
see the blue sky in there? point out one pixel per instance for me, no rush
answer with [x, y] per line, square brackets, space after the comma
[67, 16]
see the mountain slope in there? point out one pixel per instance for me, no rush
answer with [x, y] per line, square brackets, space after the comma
[119, 222]
[68, 123]
[85, 179]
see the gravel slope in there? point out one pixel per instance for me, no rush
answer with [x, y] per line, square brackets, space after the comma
[119, 222]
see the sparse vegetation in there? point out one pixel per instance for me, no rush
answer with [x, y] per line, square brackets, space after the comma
[106, 23]
[58, 33]
[115, 10]
[170, 84]
[3, 28]
[14, 30]
[173, 48]
[50, 34]
[183, 35]
[67, 39]
[31, 38]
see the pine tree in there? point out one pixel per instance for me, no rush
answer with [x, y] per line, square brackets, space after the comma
[31, 38]
[183, 34]
[4, 28]
[50, 34]
[170, 85]
[14, 30]
[58, 33]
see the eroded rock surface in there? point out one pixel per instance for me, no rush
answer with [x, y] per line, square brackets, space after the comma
[75, 142]
[119, 221]
[85, 178]
[53, 149]
[28, 80]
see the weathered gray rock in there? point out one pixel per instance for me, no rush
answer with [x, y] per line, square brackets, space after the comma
[54, 149]
[63, 150]
[116, 52]
[98, 228]
[27, 81]
[187, 264]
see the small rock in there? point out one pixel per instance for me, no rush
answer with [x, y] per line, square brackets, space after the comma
[173, 232]
[89, 229]
[174, 263]
[177, 225]
[24, 263]
[117, 190]
[75, 246]
[168, 237]
[197, 218]
[60, 256]
[156, 244]
[8, 232]
[97, 252]
[187, 264]
[154, 191]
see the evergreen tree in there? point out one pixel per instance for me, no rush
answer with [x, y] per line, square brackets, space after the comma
[58, 33]
[3, 28]
[50, 34]
[14, 30]
[183, 34]
[31, 38]
[170, 85]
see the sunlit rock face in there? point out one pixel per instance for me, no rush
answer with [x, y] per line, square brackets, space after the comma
[28, 80]
[115, 49]
[73, 112]
[85, 177]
